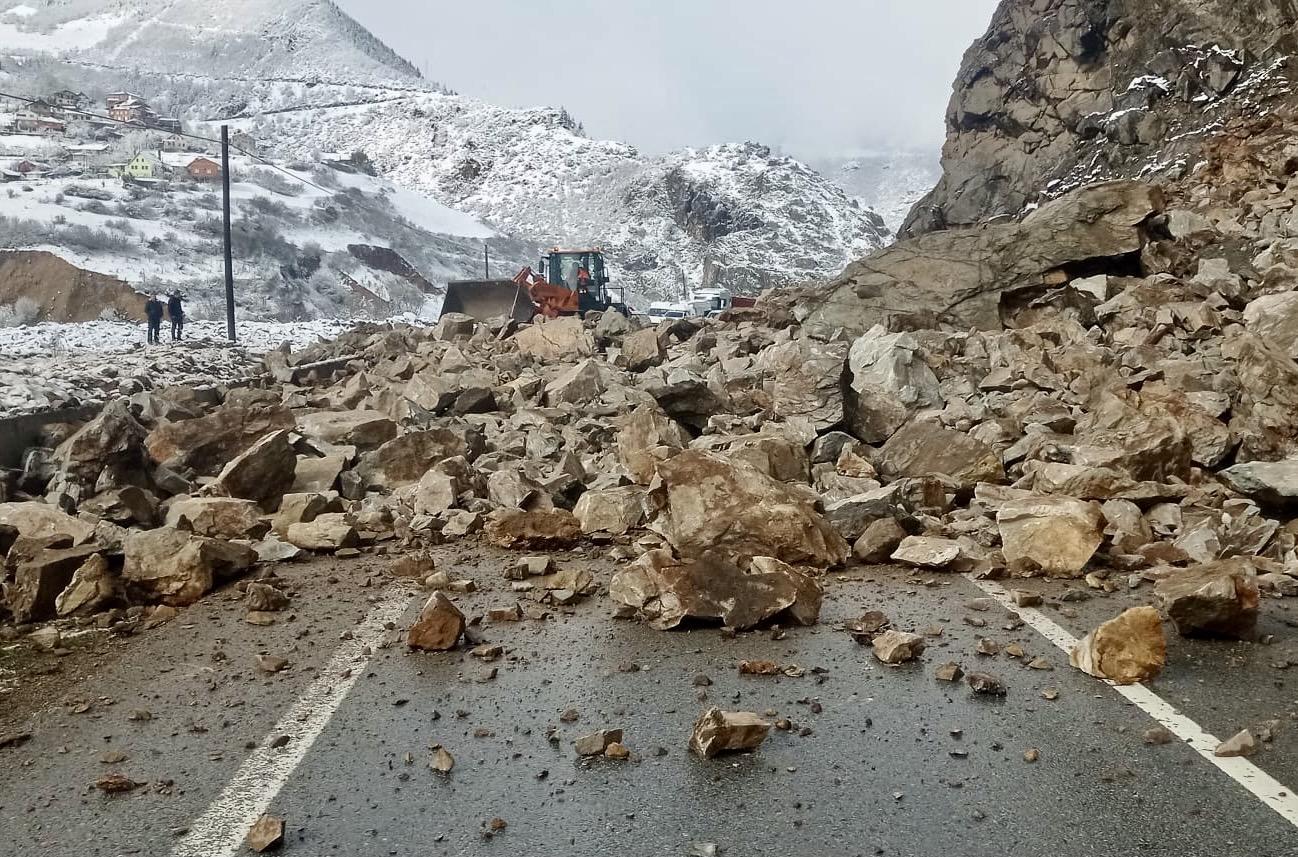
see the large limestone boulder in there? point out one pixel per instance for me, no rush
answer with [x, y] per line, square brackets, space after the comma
[1127, 649]
[178, 568]
[923, 448]
[1271, 483]
[888, 379]
[578, 385]
[1056, 534]
[362, 429]
[39, 581]
[93, 588]
[959, 277]
[328, 532]
[533, 530]
[705, 502]
[1275, 319]
[1147, 443]
[642, 349]
[41, 520]
[558, 340]
[405, 459]
[264, 471]
[645, 436]
[1264, 415]
[205, 444]
[108, 451]
[1216, 599]
[667, 590]
[804, 380]
[217, 517]
[611, 510]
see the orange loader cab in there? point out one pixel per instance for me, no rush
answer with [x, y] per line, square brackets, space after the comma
[570, 282]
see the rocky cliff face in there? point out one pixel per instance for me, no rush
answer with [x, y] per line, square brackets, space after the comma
[1060, 93]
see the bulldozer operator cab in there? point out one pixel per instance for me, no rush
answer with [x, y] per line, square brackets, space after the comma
[583, 272]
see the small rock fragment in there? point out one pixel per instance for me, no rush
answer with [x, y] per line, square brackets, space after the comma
[717, 732]
[266, 834]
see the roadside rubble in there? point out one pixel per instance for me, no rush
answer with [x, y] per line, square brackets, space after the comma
[1120, 431]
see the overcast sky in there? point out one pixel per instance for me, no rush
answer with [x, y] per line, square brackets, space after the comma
[811, 76]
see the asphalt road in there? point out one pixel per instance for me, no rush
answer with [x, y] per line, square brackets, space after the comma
[881, 760]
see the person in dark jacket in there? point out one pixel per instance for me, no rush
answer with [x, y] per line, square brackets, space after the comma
[176, 312]
[153, 315]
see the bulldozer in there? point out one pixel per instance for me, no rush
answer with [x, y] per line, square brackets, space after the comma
[568, 282]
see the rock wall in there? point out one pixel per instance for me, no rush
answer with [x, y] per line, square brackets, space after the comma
[63, 291]
[1061, 93]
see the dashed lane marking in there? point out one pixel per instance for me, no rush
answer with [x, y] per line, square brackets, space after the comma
[1260, 784]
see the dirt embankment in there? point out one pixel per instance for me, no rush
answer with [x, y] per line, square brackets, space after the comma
[63, 291]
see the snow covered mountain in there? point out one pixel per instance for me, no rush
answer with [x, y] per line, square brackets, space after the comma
[304, 40]
[890, 182]
[305, 80]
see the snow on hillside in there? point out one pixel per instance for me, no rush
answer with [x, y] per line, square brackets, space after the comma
[49, 366]
[734, 214]
[287, 39]
[889, 182]
[304, 79]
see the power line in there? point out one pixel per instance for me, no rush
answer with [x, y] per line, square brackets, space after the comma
[139, 127]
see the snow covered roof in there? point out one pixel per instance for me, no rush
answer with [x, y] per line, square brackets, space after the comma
[88, 147]
[183, 159]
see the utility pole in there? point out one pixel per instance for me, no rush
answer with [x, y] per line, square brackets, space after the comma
[486, 261]
[229, 259]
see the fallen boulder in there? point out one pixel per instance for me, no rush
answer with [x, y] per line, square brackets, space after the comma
[217, 517]
[36, 520]
[1271, 483]
[1216, 599]
[1127, 649]
[329, 532]
[557, 340]
[645, 437]
[1057, 534]
[705, 502]
[887, 381]
[264, 471]
[668, 591]
[438, 627]
[897, 647]
[178, 568]
[921, 448]
[205, 444]
[533, 530]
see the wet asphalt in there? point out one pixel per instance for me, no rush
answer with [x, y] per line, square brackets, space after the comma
[881, 760]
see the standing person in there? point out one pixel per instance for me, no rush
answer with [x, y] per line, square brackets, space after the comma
[153, 315]
[176, 312]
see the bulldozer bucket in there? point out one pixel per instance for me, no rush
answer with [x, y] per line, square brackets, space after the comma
[488, 299]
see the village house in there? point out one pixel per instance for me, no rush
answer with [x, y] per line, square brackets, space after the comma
[204, 170]
[116, 98]
[28, 121]
[172, 143]
[134, 111]
[144, 166]
[197, 167]
[25, 170]
[66, 101]
[88, 155]
[166, 123]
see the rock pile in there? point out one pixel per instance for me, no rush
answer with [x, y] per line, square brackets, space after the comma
[1098, 396]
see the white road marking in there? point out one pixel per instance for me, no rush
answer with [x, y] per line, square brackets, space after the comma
[1259, 783]
[220, 830]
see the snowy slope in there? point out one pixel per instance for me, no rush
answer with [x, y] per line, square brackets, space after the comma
[284, 39]
[889, 182]
[305, 79]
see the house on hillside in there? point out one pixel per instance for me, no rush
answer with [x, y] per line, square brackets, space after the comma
[145, 166]
[196, 166]
[204, 170]
[133, 111]
[172, 143]
[116, 98]
[67, 102]
[88, 155]
[30, 122]
[25, 170]
[166, 123]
